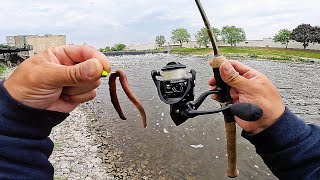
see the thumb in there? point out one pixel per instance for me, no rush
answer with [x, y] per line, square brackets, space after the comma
[87, 71]
[230, 76]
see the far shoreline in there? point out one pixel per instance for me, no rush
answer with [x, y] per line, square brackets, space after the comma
[273, 54]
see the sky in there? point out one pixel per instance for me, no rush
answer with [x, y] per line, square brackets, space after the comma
[102, 23]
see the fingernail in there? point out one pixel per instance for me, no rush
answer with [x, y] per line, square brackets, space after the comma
[230, 73]
[91, 68]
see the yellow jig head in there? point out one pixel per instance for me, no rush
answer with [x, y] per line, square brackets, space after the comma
[104, 73]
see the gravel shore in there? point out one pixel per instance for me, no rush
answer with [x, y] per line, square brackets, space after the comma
[6, 73]
[75, 151]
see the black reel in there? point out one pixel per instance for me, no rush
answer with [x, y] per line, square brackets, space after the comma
[176, 88]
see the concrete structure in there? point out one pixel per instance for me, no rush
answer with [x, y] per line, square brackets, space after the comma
[16, 41]
[142, 46]
[36, 43]
[266, 42]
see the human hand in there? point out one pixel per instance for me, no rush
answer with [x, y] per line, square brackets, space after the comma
[58, 79]
[251, 86]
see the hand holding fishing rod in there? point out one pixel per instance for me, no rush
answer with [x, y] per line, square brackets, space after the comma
[251, 86]
[225, 99]
[175, 87]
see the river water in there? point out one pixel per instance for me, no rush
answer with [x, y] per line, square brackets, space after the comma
[195, 149]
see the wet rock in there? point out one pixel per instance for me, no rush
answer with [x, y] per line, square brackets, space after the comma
[75, 150]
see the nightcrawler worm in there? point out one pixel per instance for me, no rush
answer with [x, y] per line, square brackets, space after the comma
[125, 86]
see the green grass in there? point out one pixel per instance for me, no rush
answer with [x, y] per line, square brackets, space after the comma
[58, 146]
[255, 53]
[195, 51]
[2, 68]
[59, 178]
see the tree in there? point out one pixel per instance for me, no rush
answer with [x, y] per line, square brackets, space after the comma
[160, 40]
[106, 49]
[233, 35]
[283, 36]
[202, 36]
[303, 34]
[315, 35]
[118, 47]
[4, 46]
[180, 36]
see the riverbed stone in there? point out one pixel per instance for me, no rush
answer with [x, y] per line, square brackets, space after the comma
[76, 151]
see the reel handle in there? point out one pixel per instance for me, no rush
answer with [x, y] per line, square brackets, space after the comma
[246, 111]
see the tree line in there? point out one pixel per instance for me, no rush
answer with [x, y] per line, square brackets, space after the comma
[4, 46]
[304, 33]
[116, 47]
[229, 34]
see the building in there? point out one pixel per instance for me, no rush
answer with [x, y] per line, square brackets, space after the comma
[35, 43]
[268, 42]
[142, 46]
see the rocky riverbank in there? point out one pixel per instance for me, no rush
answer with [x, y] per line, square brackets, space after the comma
[75, 151]
[6, 73]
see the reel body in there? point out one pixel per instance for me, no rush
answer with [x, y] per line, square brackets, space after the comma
[176, 88]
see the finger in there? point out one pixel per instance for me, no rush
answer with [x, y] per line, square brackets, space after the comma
[215, 97]
[234, 94]
[239, 67]
[75, 90]
[250, 74]
[85, 72]
[212, 81]
[244, 70]
[213, 87]
[230, 76]
[80, 98]
[70, 55]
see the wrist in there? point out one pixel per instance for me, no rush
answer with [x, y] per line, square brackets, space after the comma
[29, 94]
[13, 90]
[270, 118]
[20, 120]
[287, 128]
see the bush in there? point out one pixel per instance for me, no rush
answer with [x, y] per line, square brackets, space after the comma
[2, 68]
[253, 55]
[281, 58]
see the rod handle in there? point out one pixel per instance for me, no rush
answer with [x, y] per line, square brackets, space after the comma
[232, 170]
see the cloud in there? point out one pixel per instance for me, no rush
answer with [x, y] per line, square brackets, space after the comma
[106, 22]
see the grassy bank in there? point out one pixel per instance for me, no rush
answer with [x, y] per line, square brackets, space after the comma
[255, 53]
[2, 68]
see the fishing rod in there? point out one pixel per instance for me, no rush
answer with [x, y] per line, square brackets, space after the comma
[175, 87]
[209, 30]
[224, 98]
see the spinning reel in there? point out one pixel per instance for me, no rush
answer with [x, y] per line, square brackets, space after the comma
[176, 88]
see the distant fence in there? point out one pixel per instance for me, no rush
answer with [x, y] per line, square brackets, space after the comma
[122, 53]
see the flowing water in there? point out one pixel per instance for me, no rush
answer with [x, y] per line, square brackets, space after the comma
[195, 149]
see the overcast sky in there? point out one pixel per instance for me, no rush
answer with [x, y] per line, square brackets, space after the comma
[105, 22]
